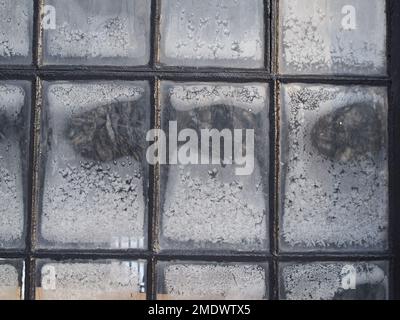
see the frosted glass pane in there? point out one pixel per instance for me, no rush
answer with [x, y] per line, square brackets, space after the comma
[93, 169]
[99, 32]
[333, 37]
[211, 281]
[14, 145]
[334, 183]
[334, 281]
[11, 287]
[226, 33]
[209, 205]
[16, 31]
[91, 280]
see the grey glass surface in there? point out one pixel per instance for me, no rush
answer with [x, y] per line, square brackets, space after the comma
[211, 281]
[11, 279]
[333, 37]
[334, 176]
[212, 33]
[93, 171]
[91, 280]
[210, 205]
[98, 32]
[15, 111]
[16, 25]
[334, 281]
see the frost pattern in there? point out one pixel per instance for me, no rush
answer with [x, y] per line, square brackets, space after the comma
[331, 204]
[94, 32]
[11, 209]
[11, 190]
[15, 20]
[208, 206]
[189, 96]
[314, 41]
[95, 204]
[90, 203]
[94, 280]
[323, 281]
[202, 208]
[10, 289]
[212, 33]
[110, 40]
[8, 276]
[207, 281]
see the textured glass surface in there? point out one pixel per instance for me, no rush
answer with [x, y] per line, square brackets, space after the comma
[16, 24]
[334, 177]
[334, 281]
[99, 32]
[91, 280]
[333, 37]
[226, 33]
[211, 281]
[11, 287]
[14, 147]
[93, 171]
[208, 205]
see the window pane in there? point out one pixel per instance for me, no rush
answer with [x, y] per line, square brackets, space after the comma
[211, 281]
[100, 32]
[334, 281]
[11, 287]
[91, 280]
[333, 37]
[93, 170]
[14, 145]
[212, 33]
[334, 175]
[16, 31]
[219, 203]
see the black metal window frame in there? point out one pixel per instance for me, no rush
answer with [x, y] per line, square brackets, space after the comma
[154, 73]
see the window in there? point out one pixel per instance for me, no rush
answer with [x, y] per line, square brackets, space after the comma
[85, 214]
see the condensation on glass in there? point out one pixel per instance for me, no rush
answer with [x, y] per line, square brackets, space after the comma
[11, 279]
[334, 280]
[92, 183]
[90, 280]
[14, 158]
[211, 206]
[16, 25]
[333, 37]
[211, 281]
[334, 177]
[212, 33]
[93, 173]
[101, 32]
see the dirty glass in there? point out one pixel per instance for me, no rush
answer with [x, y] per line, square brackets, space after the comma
[334, 281]
[333, 37]
[16, 24]
[91, 280]
[211, 281]
[212, 33]
[334, 177]
[93, 171]
[96, 32]
[206, 202]
[14, 159]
